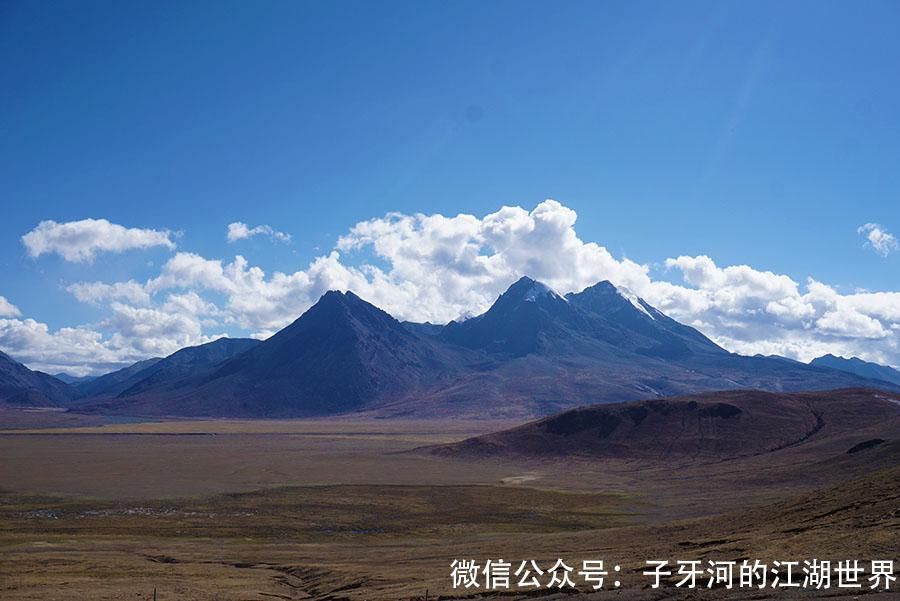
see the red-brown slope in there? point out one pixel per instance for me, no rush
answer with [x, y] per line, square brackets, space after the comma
[713, 426]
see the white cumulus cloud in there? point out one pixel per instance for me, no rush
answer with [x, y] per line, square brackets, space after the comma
[751, 311]
[98, 292]
[7, 309]
[437, 268]
[239, 231]
[129, 334]
[78, 351]
[80, 241]
[881, 240]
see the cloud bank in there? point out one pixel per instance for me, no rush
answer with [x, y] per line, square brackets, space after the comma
[81, 241]
[437, 268]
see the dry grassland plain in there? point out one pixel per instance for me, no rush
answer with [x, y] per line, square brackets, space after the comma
[353, 509]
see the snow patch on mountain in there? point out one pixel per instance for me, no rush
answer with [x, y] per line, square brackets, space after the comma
[635, 300]
[538, 290]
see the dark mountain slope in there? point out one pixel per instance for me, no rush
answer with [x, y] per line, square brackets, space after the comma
[532, 353]
[341, 355]
[545, 353]
[861, 368]
[158, 377]
[602, 321]
[187, 363]
[539, 385]
[115, 382]
[24, 387]
[73, 380]
[626, 321]
[529, 318]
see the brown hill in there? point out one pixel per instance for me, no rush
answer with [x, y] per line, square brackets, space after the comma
[712, 426]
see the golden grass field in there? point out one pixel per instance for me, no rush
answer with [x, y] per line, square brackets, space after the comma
[348, 509]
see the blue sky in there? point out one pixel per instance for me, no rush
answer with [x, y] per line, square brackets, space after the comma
[759, 134]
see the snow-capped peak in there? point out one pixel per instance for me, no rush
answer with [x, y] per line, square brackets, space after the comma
[635, 300]
[538, 290]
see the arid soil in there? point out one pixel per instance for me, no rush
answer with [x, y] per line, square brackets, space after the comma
[343, 509]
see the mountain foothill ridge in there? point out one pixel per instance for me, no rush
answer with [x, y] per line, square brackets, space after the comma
[532, 353]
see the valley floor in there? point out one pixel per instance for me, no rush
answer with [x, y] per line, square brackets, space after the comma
[351, 509]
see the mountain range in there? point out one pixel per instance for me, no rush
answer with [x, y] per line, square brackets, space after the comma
[161, 374]
[73, 380]
[534, 352]
[865, 369]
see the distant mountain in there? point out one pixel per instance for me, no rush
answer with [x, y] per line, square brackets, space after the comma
[776, 358]
[159, 375]
[426, 329]
[170, 372]
[534, 352]
[21, 386]
[68, 379]
[341, 355]
[861, 368]
[602, 320]
[529, 318]
[622, 319]
[113, 383]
